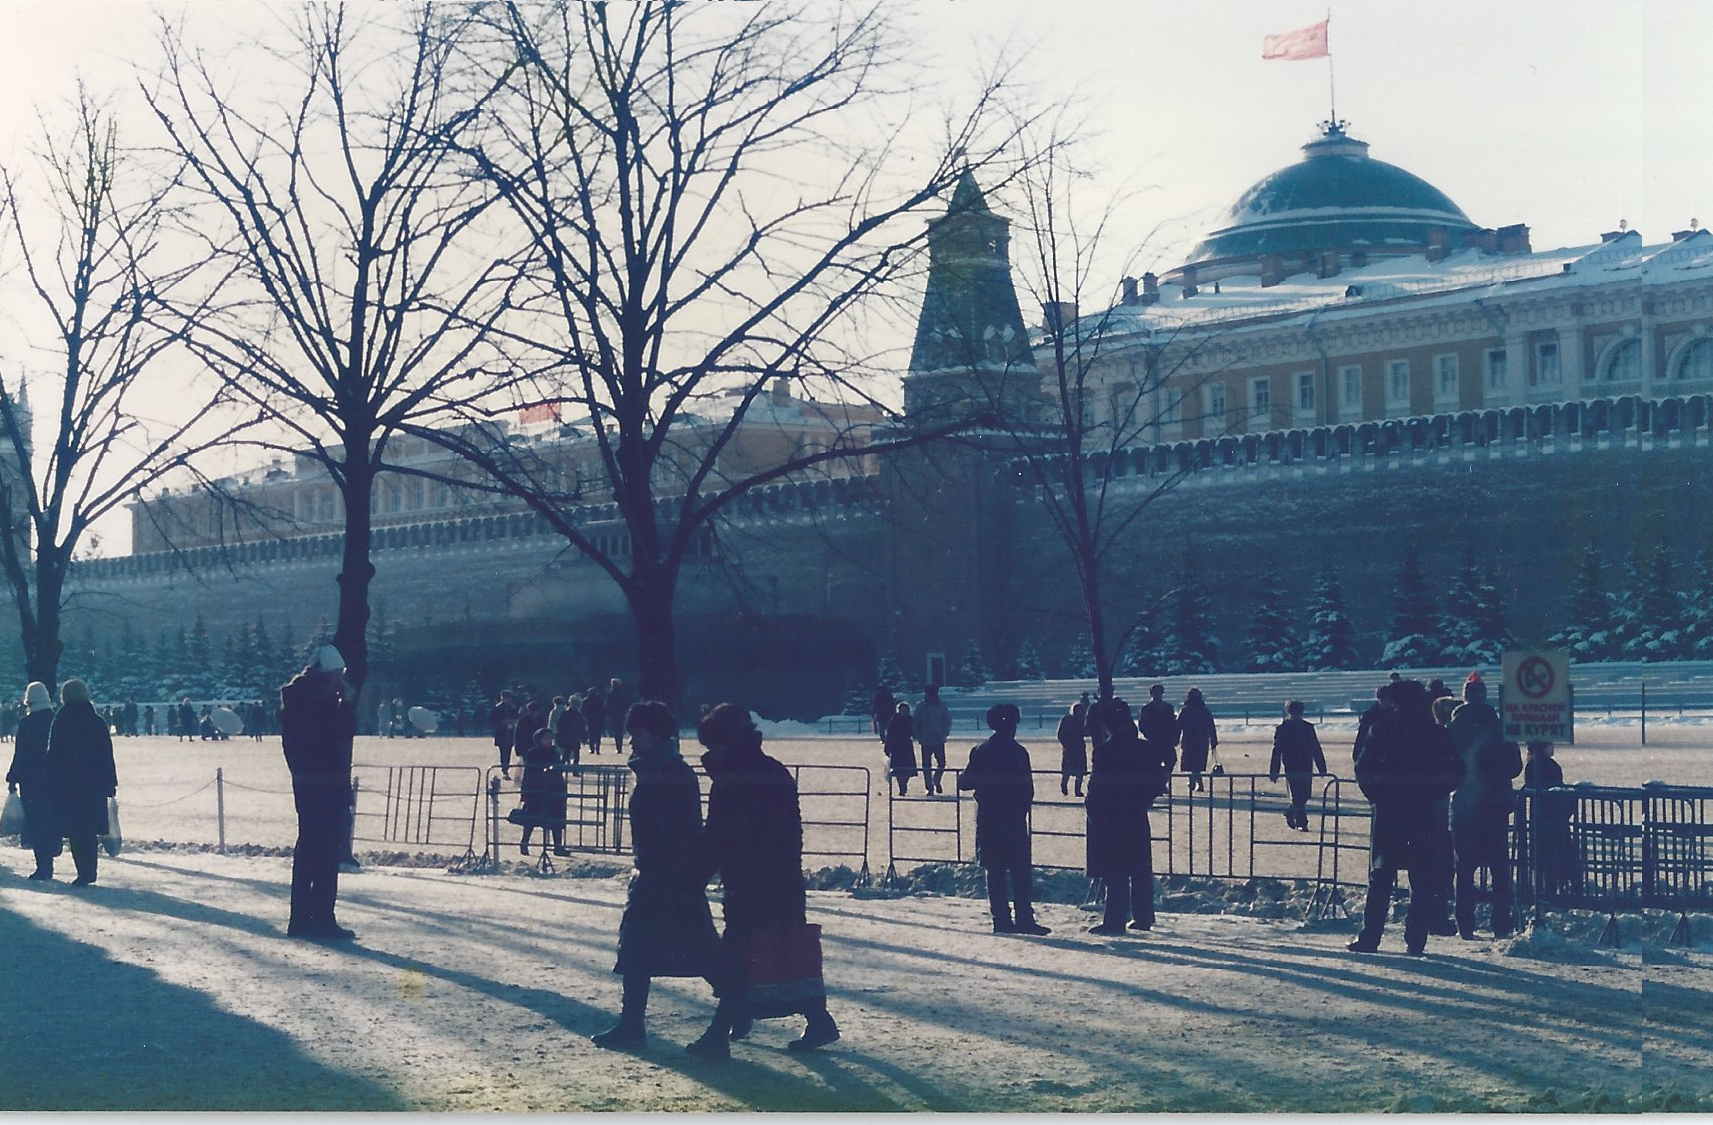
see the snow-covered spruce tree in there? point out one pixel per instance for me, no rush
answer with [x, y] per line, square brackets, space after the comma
[1329, 642]
[1188, 646]
[1645, 624]
[1413, 643]
[1027, 665]
[1141, 656]
[1490, 636]
[1270, 644]
[888, 674]
[1587, 630]
[1079, 662]
[1454, 616]
[1696, 610]
[858, 697]
[972, 670]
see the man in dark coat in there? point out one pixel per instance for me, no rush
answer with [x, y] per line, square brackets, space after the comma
[1127, 774]
[1155, 720]
[1405, 764]
[1296, 748]
[529, 720]
[503, 719]
[753, 840]
[317, 724]
[1004, 791]
[29, 778]
[595, 715]
[666, 929]
[570, 731]
[1481, 807]
[81, 775]
[618, 704]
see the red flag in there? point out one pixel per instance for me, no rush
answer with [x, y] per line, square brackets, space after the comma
[1303, 43]
[540, 412]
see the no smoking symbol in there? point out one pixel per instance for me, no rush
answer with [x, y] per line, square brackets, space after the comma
[1534, 677]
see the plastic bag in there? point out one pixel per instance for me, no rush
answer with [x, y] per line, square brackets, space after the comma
[12, 817]
[111, 839]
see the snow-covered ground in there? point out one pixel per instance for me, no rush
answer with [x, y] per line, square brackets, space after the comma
[170, 985]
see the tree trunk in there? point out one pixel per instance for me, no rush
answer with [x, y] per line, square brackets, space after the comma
[651, 596]
[1104, 659]
[356, 572]
[43, 648]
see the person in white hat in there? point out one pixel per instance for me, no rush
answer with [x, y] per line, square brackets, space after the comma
[317, 724]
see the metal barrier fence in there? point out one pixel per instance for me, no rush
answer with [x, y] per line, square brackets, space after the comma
[426, 806]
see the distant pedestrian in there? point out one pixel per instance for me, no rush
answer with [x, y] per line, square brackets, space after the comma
[570, 730]
[900, 748]
[1296, 751]
[595, 716]
[30, 778]
[932, 724]
[1128, 774]
[1403, 766]
[187, 724]
[1004, 786]
[401, 719]
[1481, 807]
[317, 724]
[1555, 849]
[618, 704]
[502, 717]
[754, 842]
[81, 776]
[149, 720]
[529, 720]
[1073, 748]
[384, 718]
[544, 792]
[667, 929]
[1197, 736]
[1155, 721]
[255, 720]
[881, 710]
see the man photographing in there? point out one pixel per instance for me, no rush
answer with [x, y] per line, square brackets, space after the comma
[317, 723]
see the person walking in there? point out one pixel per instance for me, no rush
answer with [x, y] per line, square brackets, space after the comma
[529, 720]
[317, 724]
[149, 720]
[1004, 786]
[570, 730]
[667, 929]
[618, 704]
[502, 717]
[28, 776]
[384, 718]
[595, 716]
[1127, 774]
[1403, 766]
[754, 842]
[1073, 748]
[932, 724]
[1155, 721]
[1296, 749]
[1481, 807]
[1197, 736]
[81, 776]
[881, 710]
[900, 748]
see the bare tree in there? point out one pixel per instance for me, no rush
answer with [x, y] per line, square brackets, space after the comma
[95, 266]
[709, 194]
[1112, 378]
[365, 284]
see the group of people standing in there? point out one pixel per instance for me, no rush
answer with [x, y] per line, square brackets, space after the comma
[574, 722]
[63, 772]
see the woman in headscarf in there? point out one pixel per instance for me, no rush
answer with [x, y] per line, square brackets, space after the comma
[28, 777]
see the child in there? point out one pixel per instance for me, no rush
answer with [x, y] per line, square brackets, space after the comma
[543, 793]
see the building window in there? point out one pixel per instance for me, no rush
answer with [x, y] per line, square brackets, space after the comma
[1216, 403]
[1305, 393]
[1546, 364]
[1445, 378]
[1172, 413]
[1496, 369]
[1623, 363]
[1260, 397]
[1350, 384]
[1397, 383]
[1697, 361]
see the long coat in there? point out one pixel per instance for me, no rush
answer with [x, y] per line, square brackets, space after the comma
[29, 772]
[1127, 775]
[1004, 791]
[1073, 745]
[900, 747]
[543, 789]
[667, 929]
[1197, 736]
[1405, 766]
[754, 838]
[1296, 749]
[81, 775]
[1481, 807]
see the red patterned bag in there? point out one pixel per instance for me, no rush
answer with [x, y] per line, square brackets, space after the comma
[783, 967]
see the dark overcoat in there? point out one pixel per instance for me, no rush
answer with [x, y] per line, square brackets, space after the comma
[543, 789]
[1196, 736]
[667, 929]
[1296, 749]
[1405, 765]
[317, 725]
[29, 772]
[81, 775]
[1073, 744]
[1481, 807]
[754, 838]
[1004, 791]
[901, 746]
[1128, 773]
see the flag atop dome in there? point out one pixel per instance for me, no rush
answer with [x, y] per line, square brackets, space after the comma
[1303, 43]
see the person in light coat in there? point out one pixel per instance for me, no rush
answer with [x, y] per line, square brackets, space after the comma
[932, 725]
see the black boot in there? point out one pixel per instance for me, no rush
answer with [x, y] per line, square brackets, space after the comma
[821, 1031]
[631, 1030]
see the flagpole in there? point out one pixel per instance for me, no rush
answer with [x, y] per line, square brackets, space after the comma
[1331, 89]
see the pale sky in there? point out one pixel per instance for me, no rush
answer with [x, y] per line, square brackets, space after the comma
[1566, 115]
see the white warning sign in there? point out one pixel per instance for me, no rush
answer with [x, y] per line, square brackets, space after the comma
[1537, 705]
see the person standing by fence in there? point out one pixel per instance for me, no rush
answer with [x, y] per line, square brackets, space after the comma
[933, 725]
[1004, 786]
[1128, 773]
[503, 719]
[1073, 748]
[1481, 807]
[900, 748]
[1296, 748]
[1197, 737]
[28, 777]
[667, 929]
[769, 956]
[317, 725]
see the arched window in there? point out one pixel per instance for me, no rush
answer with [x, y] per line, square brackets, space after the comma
[1623, 363]
[1696, 362]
